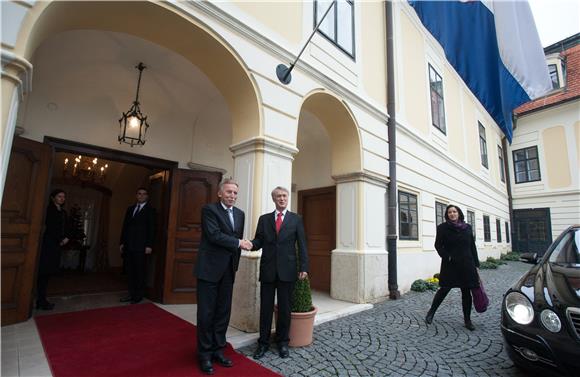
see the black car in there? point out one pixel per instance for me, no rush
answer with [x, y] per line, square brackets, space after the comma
[541, 312]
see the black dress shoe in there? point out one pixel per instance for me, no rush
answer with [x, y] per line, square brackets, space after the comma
[284, 353]
[136, 301]
[223, 361]
[205, 366]
[429, 318]
[126, 299]
[261, 351]
[44, 305]
[469, 326]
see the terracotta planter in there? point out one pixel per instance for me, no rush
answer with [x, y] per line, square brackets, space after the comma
[301, 328]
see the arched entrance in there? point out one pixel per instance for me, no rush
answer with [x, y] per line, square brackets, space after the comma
[329, 148]
[197, 93]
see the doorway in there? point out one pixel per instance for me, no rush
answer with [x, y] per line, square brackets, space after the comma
[533, 230]
[100, 184]
[318, 210]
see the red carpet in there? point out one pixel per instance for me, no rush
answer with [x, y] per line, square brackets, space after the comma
[133, 340]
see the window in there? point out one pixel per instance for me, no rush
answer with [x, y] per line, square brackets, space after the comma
[486, 229]
[482, 145]
[498, 229]
[338, 26]
[507, 232]
[526, 165]
[439, 213]
[471, 221]
[553, 69]
[437, 106]
[501, 163]
[408, 225]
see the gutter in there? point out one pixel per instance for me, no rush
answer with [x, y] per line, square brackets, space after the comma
[392, 187]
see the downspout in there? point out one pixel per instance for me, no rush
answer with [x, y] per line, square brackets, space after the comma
[392, 187]
[508, 182]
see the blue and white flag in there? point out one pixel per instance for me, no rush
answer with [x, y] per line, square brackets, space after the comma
[495, 48]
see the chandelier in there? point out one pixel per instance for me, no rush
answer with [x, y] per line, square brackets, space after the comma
[85, 169]
[133, 124]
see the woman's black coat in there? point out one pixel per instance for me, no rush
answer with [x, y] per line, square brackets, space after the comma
[55, 231]
[458, 253]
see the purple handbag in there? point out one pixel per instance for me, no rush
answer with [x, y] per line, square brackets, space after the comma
[480, 299]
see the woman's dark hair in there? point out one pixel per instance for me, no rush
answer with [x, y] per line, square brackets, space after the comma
[459, 211]
[55, 192]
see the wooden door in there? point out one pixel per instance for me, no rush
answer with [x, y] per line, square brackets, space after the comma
[158, 198]
[318, 210]
[23, 207]
[190, 190]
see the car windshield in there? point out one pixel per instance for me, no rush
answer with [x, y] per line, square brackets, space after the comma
[567, 252]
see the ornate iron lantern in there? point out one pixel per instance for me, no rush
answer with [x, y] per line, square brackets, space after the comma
[133, 124]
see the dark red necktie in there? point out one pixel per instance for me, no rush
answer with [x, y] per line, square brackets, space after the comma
[278, 222]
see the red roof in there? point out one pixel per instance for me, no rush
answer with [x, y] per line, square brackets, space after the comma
[571, 89]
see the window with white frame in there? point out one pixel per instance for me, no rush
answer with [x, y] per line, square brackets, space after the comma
[408, 222]
[471, 221]
[498, 230]
[486, 229]
[437, 103]
[439, 213]
[501, 163]
[483, 145]
[553, 70]
[338, 26]
[526, 165]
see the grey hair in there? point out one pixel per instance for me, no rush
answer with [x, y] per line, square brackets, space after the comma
[228, 181]
[280, 188]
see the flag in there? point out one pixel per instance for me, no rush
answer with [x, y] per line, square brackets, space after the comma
[495, 48]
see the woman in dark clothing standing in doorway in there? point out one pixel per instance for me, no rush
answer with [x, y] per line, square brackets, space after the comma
[455, 245]
[55, 237]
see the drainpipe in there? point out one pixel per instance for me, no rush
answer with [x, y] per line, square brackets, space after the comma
[504, 146]
[392, 187]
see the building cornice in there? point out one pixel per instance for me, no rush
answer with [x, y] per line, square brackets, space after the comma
[363, 176]
[18, 70]
[261, 144]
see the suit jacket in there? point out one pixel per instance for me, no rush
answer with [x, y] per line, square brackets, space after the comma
[56, 230]
[459, 259]
[219, 242]
[279, 250]
[139, 230]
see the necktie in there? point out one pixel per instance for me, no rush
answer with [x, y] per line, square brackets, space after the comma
[231, 215]
[137, 209]
[278, 222]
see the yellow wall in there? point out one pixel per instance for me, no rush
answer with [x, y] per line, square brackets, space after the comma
[415, 81]
[577, 134]
[471, 130]
[453, 119]
[373, 50]
[556, 154]
[283, 17]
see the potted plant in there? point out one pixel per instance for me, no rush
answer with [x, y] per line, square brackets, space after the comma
[303, 313]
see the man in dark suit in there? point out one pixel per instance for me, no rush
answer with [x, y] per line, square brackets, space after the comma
[217, 262]
[279, 234]
[137, 239]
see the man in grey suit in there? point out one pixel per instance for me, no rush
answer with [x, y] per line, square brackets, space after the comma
[279, 234]
[217, 262]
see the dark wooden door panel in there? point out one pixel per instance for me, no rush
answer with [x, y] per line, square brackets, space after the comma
[190, 191]
[159, 199]
[23, 206]
[318, 210]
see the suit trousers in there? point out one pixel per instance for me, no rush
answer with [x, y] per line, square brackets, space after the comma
[136, 274]
[267, 291]
[214, 306]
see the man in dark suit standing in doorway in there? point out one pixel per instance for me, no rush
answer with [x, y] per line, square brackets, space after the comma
[217, 262]
[279, 234]
[137, 239]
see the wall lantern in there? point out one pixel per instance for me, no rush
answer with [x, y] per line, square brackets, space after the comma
[133, 124]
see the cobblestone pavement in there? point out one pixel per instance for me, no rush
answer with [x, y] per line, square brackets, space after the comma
[392, 339]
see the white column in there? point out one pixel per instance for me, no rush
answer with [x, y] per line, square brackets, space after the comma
[16, 81]
[359, 262]
[259, 166]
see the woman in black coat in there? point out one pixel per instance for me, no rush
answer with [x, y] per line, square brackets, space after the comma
[55, 237]
[455, 245]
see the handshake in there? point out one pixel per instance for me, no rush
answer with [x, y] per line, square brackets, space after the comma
[246, 245]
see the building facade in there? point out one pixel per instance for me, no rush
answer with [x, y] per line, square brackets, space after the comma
[216, 109]
[544, 156]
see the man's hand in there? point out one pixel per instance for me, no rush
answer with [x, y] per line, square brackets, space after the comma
[121, 248]
[302, 275]
[64, 241]
[246, 245]
[148, 250]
